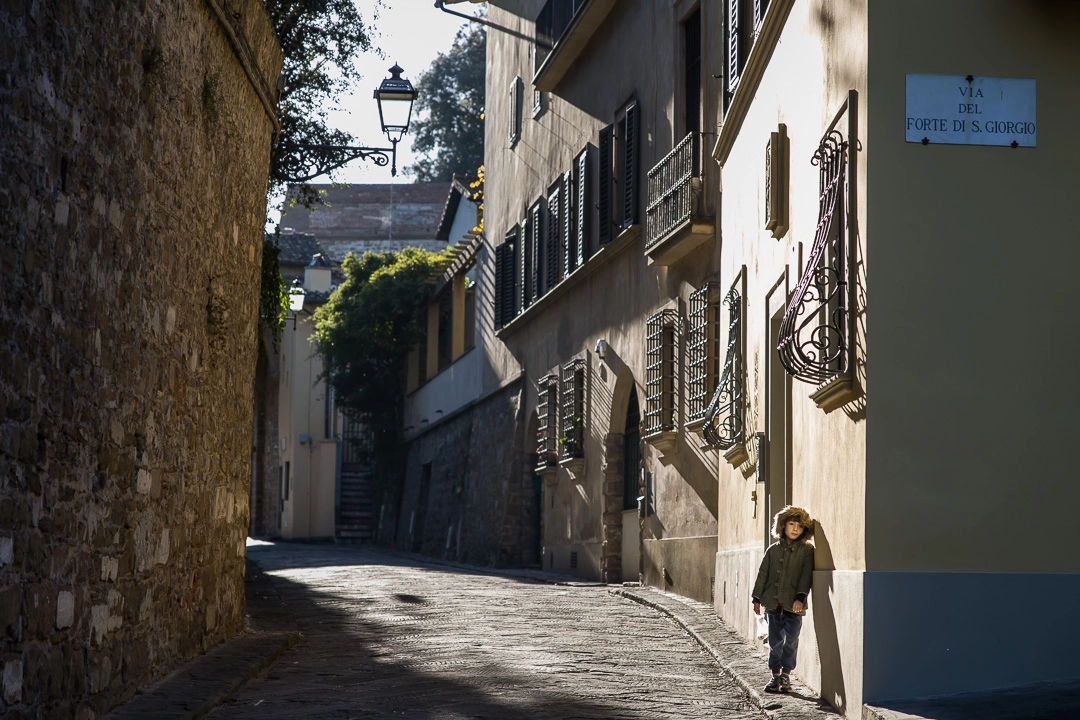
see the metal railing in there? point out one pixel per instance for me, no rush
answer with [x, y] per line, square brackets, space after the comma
[554, 18]
[673, 194]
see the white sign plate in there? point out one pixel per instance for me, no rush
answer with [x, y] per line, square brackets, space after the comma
[966, 110]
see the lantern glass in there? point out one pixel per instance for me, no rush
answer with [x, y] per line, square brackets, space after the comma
[296, 297]
[395, 96]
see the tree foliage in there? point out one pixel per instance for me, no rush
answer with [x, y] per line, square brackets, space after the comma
[449, 130]
[364, 333]
[319, 39]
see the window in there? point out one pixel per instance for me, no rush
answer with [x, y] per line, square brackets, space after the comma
[691, 43]
[515, 110]
[661, 390]
[573, 410]
[723, 427]
[547, 412]
[618, 198]
[742, 24]
[538, 103]
[535, 255]
[703, 350]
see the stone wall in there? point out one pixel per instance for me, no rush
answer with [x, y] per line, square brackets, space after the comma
[479, 507]
[134, 149]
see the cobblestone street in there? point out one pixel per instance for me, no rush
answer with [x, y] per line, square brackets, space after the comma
[383, 637]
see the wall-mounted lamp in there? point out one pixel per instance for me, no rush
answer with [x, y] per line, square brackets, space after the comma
[601, 348]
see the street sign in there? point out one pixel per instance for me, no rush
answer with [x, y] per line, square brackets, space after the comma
[970, 110]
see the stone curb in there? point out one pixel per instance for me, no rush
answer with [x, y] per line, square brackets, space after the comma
[193, 690]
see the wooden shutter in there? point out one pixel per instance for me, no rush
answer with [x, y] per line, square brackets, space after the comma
[525, 265]
[582, 228]
[603, 200]
[536, 250]
[554, 229]
[510, 286]
[732, 46]
[500, 272]
[630, 164]
[566, 236]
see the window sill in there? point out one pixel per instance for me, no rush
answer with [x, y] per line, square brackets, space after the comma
[599, 259]
[550, 473]
[575, 466]
[737, 455]
[760, 54]
[571, 44]
[686, 237]
[665, 441]
[835, 393]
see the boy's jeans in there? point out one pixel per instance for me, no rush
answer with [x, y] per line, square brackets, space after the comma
[784, 629]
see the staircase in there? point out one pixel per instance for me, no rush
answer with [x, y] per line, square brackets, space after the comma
[355, 516]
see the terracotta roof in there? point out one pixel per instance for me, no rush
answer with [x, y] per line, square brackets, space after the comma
[372, 211]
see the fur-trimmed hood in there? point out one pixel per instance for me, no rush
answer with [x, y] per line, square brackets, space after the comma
[791, 512]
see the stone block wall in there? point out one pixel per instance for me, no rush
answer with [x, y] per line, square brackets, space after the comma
[134, 150]
[479, 507]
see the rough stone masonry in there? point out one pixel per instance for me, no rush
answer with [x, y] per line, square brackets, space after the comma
[134, 150]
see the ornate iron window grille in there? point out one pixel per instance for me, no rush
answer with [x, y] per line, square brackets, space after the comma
[672, 190]
[724, 417]
[661, 376]
[573, 409]
[816, 335]
[702, 350]
[547, 412]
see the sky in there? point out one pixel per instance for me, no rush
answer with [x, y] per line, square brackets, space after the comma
[410, 33]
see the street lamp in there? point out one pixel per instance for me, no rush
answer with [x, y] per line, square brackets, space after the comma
[300, 162]
[296, 300]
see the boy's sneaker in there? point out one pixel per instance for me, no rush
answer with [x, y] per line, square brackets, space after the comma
[785, 683]
[774, 685]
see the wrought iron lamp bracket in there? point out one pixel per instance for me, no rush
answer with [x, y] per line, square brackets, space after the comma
[304, 162]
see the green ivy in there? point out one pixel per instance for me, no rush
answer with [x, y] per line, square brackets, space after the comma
[273, 295]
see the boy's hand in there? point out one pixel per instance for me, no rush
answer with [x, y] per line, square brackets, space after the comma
[797, 606]
[757, 608]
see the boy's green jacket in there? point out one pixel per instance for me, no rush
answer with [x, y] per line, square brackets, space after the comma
[785, 575]
[787, 570]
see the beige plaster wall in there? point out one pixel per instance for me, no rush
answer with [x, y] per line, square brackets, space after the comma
[819, 58]
[971, 450]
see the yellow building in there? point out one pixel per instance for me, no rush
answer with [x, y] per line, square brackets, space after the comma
[715, 215]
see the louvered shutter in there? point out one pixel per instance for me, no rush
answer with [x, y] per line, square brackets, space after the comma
[732, 47]
[603, 200]
[554, 227]
[582, 225]
[566, 237]
[526, 264]
[536, 250]
[630, 163]
[510, 285]
[500, 271]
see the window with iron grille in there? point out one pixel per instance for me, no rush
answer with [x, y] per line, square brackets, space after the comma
[547, 413]
[573, 409]
[661, 372]
[702, 350]
[723, 426]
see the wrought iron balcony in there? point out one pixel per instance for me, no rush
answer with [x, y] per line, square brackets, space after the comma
[563, 29]
[675, 218]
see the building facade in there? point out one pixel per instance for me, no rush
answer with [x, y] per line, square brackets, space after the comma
[683, 204]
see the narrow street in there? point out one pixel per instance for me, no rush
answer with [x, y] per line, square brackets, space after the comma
[385, 637]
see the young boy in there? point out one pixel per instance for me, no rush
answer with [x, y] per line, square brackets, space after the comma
[783, 583]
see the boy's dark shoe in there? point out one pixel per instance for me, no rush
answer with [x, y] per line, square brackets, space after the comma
[785, 683]
[774, 685]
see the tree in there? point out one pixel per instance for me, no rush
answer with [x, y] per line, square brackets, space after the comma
[364, 333]
[319, 39]
[449, 129]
